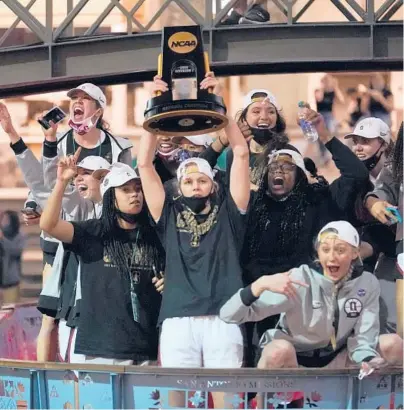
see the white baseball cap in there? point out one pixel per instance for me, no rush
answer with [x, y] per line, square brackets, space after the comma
[192, 165]
[343, 230]
[296, 157]
[371, 128]
[94, 163]
[257, 94]
[118, 175]
[203, 140]
[93, 91]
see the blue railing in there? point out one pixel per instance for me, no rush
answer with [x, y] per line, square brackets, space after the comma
[34, 385]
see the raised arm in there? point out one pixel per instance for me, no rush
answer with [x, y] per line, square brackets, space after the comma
[153, 189]
[240, 168]
[267, 296]
[50, 219]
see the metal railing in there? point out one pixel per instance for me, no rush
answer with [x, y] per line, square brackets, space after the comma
[214, 11]
[51, 385]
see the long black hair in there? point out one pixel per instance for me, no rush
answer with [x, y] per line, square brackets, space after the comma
[292, 232]
[149, 249]
[13, 228]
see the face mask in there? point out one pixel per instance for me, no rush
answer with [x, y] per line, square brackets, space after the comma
[371, 162]
[261, 135]
[195, 204]
[184, 154]
[170, 156]
[83, 127]
[129, 218]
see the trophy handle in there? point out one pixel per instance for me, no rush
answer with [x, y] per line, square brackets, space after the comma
[159, 70]
[207, 67]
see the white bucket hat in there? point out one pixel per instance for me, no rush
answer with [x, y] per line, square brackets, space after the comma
[118, 175]
[203, 140]
[371, 128]
[268, 96]
[296, 157]
[94, 163]
[343, 230]
[93, 91]
[192, 165]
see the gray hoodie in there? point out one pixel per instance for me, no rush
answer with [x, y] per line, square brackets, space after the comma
[307, 321]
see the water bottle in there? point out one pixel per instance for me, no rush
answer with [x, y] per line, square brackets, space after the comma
[309, 130]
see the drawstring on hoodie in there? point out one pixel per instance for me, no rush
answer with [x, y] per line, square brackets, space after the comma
[335, 292]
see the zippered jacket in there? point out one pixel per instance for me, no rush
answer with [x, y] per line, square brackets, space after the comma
[310, 320]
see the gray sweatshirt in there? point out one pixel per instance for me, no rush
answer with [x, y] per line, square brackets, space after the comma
[307, 321]
[388, 189]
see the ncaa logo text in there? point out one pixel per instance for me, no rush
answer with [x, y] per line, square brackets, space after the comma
[182, 42]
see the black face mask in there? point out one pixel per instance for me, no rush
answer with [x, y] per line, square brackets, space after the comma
[129, 218]
[261, 135]
[371, 162]
[195, 204]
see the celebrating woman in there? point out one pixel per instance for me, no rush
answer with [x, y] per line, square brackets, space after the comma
[119, 256]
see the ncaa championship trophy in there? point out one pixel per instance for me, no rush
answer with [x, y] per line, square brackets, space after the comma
[185, 109]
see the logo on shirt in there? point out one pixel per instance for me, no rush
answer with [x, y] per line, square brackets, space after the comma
[353, 307]
[361, 292]
[108, 261]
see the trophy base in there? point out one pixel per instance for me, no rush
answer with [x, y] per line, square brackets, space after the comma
[164, 116]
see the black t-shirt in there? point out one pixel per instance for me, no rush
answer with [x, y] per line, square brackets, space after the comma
[325, 105]
[104, 150]
[106, 324]
[68, 290]
[376, 106]
[202, 268]
[357, 114]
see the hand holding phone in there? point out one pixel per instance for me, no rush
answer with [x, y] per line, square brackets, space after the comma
[54, 115]
[30, 212]
[396, 213]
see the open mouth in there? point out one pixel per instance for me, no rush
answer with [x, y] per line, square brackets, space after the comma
[166, 147]
[333, 269]
[82, 188]
[78, 113]
[263, 125]
[278, 182]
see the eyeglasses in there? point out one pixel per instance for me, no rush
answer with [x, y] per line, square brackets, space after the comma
[284, 168]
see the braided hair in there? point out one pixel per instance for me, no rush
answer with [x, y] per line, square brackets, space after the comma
[149, 249]
[292, 232]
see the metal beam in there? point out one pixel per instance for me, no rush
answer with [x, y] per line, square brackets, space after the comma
[343, 10]
[383, 8]
[235, 51]
[29, 20]
[393, 10]
[15, 24]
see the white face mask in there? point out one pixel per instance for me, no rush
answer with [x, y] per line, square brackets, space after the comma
[84, 126]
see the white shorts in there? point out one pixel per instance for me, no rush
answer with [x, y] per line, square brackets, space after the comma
[204, 341]
[67, 342]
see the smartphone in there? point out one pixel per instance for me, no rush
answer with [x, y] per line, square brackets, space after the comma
[55, 115]
[30, 212]
[158, 274]
[396, 213]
